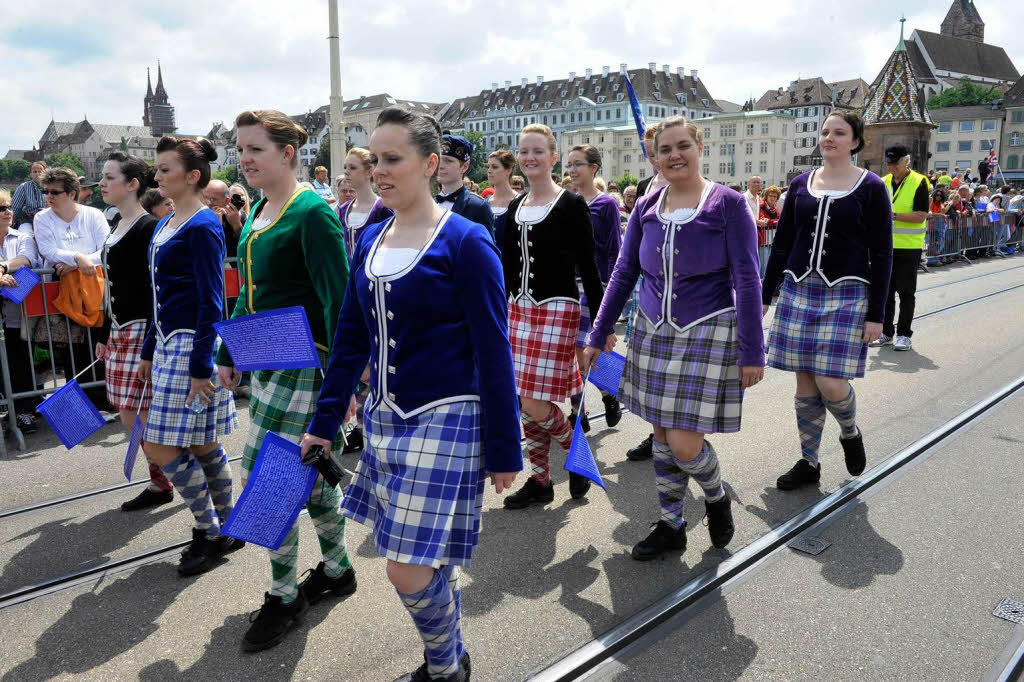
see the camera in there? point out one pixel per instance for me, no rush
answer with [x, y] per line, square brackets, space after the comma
[237, 201]
[328, 468]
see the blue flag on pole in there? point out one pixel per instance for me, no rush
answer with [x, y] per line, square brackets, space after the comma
[638, 112]
[580, 459]
[27, 281]
[277, 490]
[606, 372]
[134, 442]
[273, 339]
[71, 415]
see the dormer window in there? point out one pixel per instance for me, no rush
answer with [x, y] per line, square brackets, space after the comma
[705, 102]
[615, 87]
[657, 86]
[618, 97]
[517, 98]
[533, 107]
[547, 105]
[693, 91]
[601, 99]
[680, 97]
[533, 98]
[564, 92]
[657, 95]
[565, 102]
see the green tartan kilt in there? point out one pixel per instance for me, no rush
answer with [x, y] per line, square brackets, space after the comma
[282, 401]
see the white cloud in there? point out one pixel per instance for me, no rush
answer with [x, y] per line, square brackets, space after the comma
[221, 58]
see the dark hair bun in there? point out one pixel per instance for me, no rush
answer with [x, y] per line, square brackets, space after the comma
[208, 151]
[149, 179]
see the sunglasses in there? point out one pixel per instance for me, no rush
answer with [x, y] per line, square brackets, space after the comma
[53, 192]
[5, 208]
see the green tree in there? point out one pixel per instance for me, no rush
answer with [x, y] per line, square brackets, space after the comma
[626, 180]
[323, 158]
[231, 176]
[478, 161]
[965, 94]
[67, 160]
[15, 170]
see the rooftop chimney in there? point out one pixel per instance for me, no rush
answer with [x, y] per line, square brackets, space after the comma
[508, 84]
[681, 72]
[572, 76]
[693, 74]
[523, 82]
[540, 80]
[622, 68]
[494, 87]
[605, 70]
[665, 68]
[590, 72]
[653, 66]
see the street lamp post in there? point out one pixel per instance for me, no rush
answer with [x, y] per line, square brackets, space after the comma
[338, 148]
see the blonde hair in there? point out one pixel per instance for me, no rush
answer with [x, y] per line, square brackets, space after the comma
[319, 168]
[771, 189]
[600, 184]
[245, 195]
[675, 122]
[364, 156]
[651, 131]
[540, 129]
[4, 194]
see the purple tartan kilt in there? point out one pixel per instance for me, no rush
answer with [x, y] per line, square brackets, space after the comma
[820, 329]
[686, 380]
[585, 321]
[420, 483]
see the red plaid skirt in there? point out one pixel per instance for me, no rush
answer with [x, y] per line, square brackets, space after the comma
[124, 350]
[544, 348]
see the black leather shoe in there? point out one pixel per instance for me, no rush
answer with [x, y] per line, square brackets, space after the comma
[27, 423]
[578, 486]
[272, 622]
[531, 493]
[642, 451]
[353, 442]
[318, 585]
[853, 450]
[200, 555]
[664, 538]
[720, 526]
[421, 674]
[612, 409]
[800, 475]
[148, 498]
[586, 422]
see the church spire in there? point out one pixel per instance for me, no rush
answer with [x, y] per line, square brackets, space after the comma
[902, 45]
[160, 92]
[149, 85]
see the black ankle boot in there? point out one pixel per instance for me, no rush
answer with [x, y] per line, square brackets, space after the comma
[612, 409]
[802, 473]
[642, 451]
[318, 585]
[531, 493]
[720, 526]
[200, 555]
[272, 622]
[578, 486]
[585, 423]
[853, 450]
[664, 538]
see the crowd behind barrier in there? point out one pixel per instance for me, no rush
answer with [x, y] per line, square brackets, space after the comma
[963, 237]
[44, 327]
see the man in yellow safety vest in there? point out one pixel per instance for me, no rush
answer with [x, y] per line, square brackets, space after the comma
[909, 191]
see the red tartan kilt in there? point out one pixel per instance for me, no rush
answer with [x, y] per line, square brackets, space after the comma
[124, 350]
[544, 348]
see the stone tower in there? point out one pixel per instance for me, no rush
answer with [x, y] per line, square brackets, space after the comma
[157, 112]
[963, 21]
[894, 113]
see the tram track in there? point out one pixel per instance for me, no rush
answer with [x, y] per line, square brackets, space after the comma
[642, 627]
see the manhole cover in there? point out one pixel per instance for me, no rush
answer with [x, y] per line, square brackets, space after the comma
[1010, 610]
[810, 545]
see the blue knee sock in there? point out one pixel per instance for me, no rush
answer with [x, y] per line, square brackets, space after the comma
[454, 576]
[434, 610]
[810, 421]
[705, 470]
[671, 483]
[845, 412]
[218, 478]
[187, 476]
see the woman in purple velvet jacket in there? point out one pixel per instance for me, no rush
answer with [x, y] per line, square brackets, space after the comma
[696, 345]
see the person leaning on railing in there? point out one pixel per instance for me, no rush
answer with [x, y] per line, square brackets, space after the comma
[16, 254]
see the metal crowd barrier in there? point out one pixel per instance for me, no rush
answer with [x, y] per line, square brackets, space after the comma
[963, 237]
[36, 310]
[765, 250]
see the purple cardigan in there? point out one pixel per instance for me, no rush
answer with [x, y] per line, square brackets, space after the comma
[708, 257]
[604, 216]
[378, 213]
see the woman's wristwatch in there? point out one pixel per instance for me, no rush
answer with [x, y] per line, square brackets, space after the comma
[4, 266]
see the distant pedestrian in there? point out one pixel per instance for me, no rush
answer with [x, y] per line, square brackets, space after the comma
[321, 186]
[28, 198]
[500, 165]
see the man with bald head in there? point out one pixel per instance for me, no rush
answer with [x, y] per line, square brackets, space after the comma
[218, 198]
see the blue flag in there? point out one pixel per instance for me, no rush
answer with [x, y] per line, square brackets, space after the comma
[638, 112]
[27, 280]
[606, 373]
[580, 459]
[273, 339]
[71, 415]
[134, 442]
[277, 490]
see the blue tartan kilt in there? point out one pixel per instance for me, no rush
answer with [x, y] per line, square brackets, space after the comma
[170, 421]
[585, 321]
[820, 329]
[420, 483]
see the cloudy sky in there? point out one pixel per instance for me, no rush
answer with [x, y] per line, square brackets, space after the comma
[221, 58]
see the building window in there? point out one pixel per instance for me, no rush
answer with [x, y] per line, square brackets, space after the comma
[941, 147]
[563, 118]
[966, 126]
[945, 127]
[600, 138]
[723, 168]
[942, 165]
[764, 147]
[722, 150]
[618, 112]
[782, 167]
[1017, 117]
[572, 118]
[988, 125]
[783, 147]
[707, 151]
[985, 145]
[750, 129]
[965, 145]
[705, 169]
[764, 128]
[1014, 139]
[748, 167]
[643, 172]
[588, 115]
[627, 143]
[607, 114]
[762, 166]
[707, 134]
[627, 158]
[544, 119]
[748, 148]
[964, 165]
[1011, 162]
[785, 129]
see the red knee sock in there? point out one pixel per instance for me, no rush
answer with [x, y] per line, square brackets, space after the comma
[538, 443]
[558, 426]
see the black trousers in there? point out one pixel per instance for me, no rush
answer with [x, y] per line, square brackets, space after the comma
[19, 364]
[903, 282]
